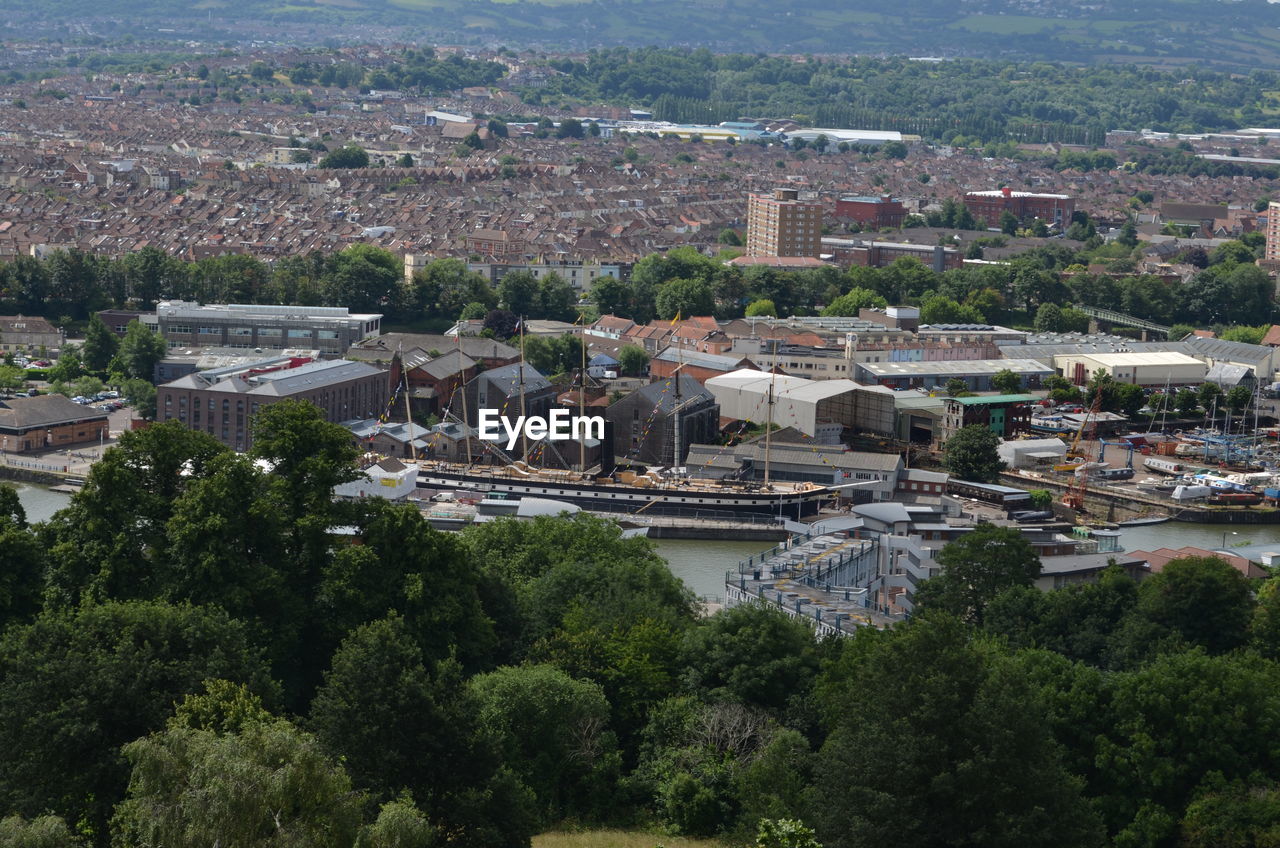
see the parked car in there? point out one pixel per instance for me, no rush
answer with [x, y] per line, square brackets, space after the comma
[80, 399]
[112, 395]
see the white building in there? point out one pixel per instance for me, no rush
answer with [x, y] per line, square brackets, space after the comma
[803, 404]
[1154, 368]
[390, 479]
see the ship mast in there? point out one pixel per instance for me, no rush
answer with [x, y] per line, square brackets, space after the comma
[524, 442]
[408, 412]
[768, 423]
[582, 398]
[466, 427]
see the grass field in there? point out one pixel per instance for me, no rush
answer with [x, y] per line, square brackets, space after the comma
[618, 839]
[1015, 24]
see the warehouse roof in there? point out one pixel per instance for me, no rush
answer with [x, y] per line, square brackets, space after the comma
[1141, 358]
[957, 367]
[980, 400]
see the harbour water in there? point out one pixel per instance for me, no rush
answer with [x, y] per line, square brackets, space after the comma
[701, 564]
[39, 502]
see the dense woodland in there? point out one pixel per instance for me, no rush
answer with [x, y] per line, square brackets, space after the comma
[68, 286]
[196, 652]
[1238, 35]
[963, 101]
[966, 98]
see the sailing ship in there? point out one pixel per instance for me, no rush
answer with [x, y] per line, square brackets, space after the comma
[651, 491]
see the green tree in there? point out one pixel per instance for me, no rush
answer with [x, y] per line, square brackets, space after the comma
[100, 345]
[1202, 599]
[141, 350]
[268, 784]
[850, 303]
[1128, 234]
[1007, 382]
[68, 367]
[633, 360]
[552, 733]
[1008, 223]
[759, 308]
[351, 156]
[971, 454]
[570, 128]
[1242, 814]
[77, 684]
[22, 562]
[556, 299]
[612, 297]
[976, 568]
[400, 824]
[940, 309]
[12, 378]
[110, 542]
[1048, 318]
[1187, 401]
[365, 277]
[957, 387]
[398, 726]
[308, 457]
[785, 833]
[685, 298]
[518, 293]
[1183, 722]
[943, 741]
[730, 237]
[1209, 395]
[141, 394]
[42, 832]
[1239, 398]
[753, 655]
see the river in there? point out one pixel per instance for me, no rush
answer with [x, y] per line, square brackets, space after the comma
[702, 564]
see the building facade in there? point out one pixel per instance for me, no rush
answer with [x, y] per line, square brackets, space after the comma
[18, 332]
[988, 206]
[222, 402]
[47, 422]
[329, 329]
[1004, 415]
[780, 224]
[872, 212]
[847, 252]
[657, 424]
[1273, 231]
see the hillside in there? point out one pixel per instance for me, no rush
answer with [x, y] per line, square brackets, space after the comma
[1239, 34]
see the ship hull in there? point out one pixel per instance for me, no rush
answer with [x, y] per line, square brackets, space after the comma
[621, 498]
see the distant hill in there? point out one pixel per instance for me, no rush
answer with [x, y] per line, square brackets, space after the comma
[1242, 35]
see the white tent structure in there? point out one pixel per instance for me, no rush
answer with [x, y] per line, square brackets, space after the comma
[801, 403]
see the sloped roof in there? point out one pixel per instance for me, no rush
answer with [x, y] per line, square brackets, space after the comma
[45, 411]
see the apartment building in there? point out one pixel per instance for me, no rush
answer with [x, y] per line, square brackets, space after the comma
[988, 206]
[328, 329]
[223, 401]
[780, 224]
[579, 274]
[872, 212]
[1273, 231]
